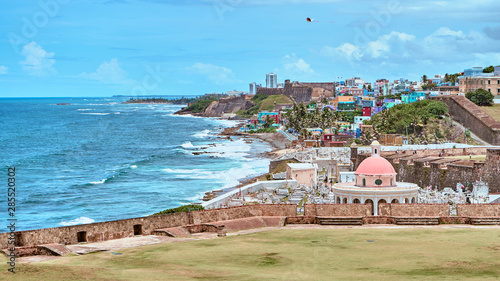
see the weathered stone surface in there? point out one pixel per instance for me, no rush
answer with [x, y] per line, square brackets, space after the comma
[341, 210]
[478, 210]
[414, 210]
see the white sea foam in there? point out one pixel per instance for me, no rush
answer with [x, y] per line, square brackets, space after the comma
[80, 220]
[118, 112]
[203, 134]
[133, 166]
[84, 109]
[188, 145]
[98, 182]
[95, 113]
[183, 115]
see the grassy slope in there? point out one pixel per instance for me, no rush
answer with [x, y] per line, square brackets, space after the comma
[322, 254]
[493, 111]
[266, 104]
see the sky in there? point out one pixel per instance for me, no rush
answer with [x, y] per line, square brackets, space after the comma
[93, 48]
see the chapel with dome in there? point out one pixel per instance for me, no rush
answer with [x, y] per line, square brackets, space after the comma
[375, 182]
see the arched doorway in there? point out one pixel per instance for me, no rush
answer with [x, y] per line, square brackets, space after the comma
[395, 201]
[345, 200]
[338, 200]
[381, 201]
[413, 200]
[356, 201]
[369, 201]
[406, 201]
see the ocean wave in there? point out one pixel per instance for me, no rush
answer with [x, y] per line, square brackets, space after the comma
[203, 134]
[183, 115]
[84, 109]
[95, 113]
[98, 182]
[80, 220]
[133, 167]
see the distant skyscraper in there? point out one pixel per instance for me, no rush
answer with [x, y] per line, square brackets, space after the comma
[271, 80]
[253, 89]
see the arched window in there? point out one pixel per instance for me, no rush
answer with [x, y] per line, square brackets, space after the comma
[364, 182]
[375, 151]
[391, 182]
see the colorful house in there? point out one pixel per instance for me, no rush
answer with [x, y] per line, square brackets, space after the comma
[412, 97]
[265, 114]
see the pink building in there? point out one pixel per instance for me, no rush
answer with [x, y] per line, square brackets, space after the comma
[375, 183]
[303, 173]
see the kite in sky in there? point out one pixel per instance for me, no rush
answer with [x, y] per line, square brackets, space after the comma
[312, 20]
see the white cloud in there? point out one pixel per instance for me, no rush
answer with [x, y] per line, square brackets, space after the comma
[108, 73]
[37, 61]
[295, 66]
[4, 69]
[345, 51]
[217, 74]
[442, 45]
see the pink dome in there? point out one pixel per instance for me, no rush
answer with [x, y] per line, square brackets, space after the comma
[375, 165]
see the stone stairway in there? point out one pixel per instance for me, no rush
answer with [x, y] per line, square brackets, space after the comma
[417, 220]
[484, 220]
[172, 232]
[340, 220]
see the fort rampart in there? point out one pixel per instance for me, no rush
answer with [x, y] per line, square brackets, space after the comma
[211, 219]
[473, 117]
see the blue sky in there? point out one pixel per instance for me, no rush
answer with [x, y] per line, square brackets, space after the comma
[151, 47]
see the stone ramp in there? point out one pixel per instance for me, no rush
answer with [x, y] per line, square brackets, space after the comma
[416, 220]
[172, 232]
[485, 220]
[340, 220]
[55, 249]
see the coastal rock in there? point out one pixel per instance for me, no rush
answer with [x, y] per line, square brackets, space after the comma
[228, 105]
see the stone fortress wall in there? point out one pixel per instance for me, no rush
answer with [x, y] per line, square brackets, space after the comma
[103, 231]
[473, 117]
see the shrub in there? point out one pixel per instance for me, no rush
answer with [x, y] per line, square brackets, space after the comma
[181, 209]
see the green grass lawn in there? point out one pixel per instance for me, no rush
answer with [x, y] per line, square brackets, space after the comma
[292, 254]
[466, 157]
[493, 111]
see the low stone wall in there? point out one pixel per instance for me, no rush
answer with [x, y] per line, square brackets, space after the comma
[301, 220]
[378, 220]
[338, 210]
[478, 210]
[232, 213]
[103, 231]
[414, 210]
[95, 232]
[454, 220]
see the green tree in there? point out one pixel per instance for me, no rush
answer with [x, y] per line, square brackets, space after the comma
[480, 97]
[489, 69]
[424, 79]
[268, 122]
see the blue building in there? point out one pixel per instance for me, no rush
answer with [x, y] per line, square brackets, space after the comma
[412, 97]
[475, 71]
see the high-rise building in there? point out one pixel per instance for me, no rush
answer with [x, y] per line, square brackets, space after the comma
[253, 88]
[271, 80]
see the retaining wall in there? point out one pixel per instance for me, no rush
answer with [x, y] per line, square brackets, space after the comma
[414, 210]
[103, 231]
[338, 210]
[478, 210]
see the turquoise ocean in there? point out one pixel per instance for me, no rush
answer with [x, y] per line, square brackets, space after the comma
[97, 159]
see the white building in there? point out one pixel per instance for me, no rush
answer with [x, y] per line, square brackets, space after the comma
[271, 80]
[252, 89]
